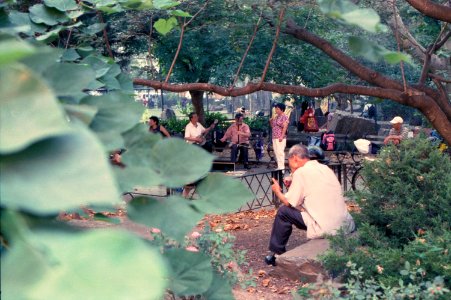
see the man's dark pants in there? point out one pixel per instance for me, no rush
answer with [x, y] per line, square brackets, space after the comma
[244, 152]
[286, 217]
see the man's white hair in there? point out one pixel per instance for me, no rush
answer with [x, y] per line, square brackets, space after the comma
[298, 150]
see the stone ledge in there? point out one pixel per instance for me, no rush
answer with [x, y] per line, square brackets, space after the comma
[301, 263]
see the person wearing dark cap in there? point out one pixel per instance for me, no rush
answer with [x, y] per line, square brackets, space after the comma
[239, 134]
[279, 124]
[314, 201]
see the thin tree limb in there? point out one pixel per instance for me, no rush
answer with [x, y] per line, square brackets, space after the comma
[245, 53]
[432, 9]
[105, 36]
[271, 53]
[401, 63]
[177, 52]
[439, 78]
[68, 38]
[440, 87]
[181, 39]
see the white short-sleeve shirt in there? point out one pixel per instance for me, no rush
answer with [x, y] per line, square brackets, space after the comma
[316, 188]
[192, 131]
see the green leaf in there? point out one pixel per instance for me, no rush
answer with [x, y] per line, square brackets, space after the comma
[22, 22]
[94, 28]
[393, 58]
[74, 14]
[164, 26]
[67, 79]
[173, 215]
[84, 113]
[165, 4]
[367, 49]
[191, 272]
[179, 163]
[42, 59]
[12, 50]
[345, 10]
[58, 174]
[99, 64]
[70, 55]
[116, 112]
[30, 112]
[81, 270]
[137, 141]
[85, 51]
[49, 16]
[62, 5]
[50, 36]
[126, 83]
[366, 19]
[138, 4]
[220, 194]
[219, 289]
[179, 13]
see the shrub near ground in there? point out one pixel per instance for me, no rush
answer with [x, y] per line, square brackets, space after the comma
[405, 217]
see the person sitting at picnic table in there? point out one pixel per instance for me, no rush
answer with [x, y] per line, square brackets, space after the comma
[239, 133]
[314, 202]
[397, 133]
[155, 127]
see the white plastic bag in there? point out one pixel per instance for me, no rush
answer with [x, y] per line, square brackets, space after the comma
[363, 146]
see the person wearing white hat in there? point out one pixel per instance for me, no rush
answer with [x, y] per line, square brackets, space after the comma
[397, 133]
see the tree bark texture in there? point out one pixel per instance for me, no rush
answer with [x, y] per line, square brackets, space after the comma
[197, 100]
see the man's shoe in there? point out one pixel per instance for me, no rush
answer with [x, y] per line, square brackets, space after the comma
[270, 260]
[247, 167]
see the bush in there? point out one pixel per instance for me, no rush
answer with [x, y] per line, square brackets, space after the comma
[405, 216]
[408, 190]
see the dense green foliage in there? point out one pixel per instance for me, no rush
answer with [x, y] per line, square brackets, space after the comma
[409, 190]
[405, 216]
[55, 139]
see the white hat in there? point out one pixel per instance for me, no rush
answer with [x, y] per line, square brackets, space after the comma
[397, 120]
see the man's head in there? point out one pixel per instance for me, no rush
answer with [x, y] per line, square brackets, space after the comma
[298, 156]
[239, 118]
[193, 117]
[397, 122]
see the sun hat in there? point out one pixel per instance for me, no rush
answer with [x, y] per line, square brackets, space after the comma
[396, 120]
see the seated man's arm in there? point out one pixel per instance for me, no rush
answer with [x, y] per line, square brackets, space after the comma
[227, 135]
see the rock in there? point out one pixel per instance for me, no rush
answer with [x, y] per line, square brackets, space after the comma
[356, 127]
[302, 262]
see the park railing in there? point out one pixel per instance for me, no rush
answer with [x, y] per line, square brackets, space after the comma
[259, 184]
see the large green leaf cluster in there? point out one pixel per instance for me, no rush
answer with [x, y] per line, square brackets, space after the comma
[57, 129]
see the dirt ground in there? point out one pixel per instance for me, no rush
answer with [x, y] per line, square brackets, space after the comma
[251, 229]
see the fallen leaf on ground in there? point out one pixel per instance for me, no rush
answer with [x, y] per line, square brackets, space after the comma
[265, 282]
[261, 273]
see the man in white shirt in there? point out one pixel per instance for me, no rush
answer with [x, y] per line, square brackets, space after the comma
[195, 132]
[314, 202]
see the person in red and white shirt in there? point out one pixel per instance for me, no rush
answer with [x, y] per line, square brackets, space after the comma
[279, 124]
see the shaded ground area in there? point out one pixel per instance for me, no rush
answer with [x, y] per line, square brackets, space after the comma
[251, 229]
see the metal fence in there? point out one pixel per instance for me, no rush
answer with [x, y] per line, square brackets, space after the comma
[260, 185]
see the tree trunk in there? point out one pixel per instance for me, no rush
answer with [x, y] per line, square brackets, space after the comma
[197, 98]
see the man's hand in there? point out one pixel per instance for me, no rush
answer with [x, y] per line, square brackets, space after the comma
[275, 186]
[280, 140]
